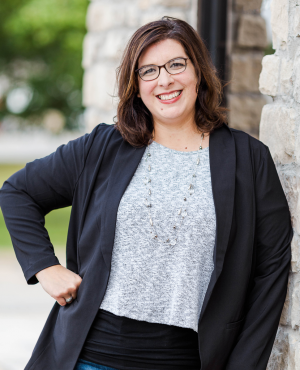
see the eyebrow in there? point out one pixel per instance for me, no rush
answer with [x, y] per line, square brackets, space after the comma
[148, 65]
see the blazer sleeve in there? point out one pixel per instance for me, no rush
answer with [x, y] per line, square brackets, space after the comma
[40, 187]
[268, 287]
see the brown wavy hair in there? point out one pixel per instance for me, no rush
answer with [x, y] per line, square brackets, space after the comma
[134, 121]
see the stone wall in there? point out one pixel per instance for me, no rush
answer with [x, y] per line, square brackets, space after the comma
[247, 38]
[110, 24]
[279, 129]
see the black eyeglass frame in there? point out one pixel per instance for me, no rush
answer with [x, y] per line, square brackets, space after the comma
[159, 67]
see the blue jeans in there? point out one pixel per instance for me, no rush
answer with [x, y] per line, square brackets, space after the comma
[86, 365]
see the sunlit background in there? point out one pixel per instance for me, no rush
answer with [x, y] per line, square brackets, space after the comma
[40, 83]
[40, 64]
[40, 108]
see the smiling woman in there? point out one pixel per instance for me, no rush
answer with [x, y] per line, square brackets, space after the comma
[178, 247]
[167, 74]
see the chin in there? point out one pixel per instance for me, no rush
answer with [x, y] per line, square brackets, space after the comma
[171, 115]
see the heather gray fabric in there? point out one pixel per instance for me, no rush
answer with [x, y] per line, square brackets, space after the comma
[157, 282]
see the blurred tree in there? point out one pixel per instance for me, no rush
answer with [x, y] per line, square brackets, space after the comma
[41, 47]
[269, 50]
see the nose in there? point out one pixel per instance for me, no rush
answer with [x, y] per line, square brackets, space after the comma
[164, 78]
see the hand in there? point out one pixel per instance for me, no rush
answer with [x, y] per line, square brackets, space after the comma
[59, 282]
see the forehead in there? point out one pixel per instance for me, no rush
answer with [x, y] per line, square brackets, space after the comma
[161, 52]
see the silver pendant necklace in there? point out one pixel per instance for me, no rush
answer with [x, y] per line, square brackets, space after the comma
[181, 211]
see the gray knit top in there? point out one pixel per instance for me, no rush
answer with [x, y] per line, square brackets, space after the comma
[154, 281]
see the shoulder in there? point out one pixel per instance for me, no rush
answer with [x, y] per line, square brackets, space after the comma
[102, 134]
[103, 129]
[249, 151]
[244, 142]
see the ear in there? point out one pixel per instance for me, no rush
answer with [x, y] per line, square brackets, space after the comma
[138, 95]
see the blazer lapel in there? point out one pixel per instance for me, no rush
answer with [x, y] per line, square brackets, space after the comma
[125, 164]
[223, 167]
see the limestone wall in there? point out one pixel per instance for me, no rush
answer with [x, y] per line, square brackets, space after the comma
[247, 39]
[279, 129]
[110, 24]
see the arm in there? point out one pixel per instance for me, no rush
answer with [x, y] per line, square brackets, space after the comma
[268, 287]
[27, 196]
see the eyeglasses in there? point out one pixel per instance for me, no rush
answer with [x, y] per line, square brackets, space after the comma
[173, 67]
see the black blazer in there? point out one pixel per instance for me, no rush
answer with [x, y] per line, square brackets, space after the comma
[245, 296]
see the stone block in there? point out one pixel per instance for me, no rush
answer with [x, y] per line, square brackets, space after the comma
[174, 3]
[295, 213]
[289, 182]
[114, 43]
[297, 149]
[146, 4]
[102, 16]
[296, 77]
[91, 45]
[93, 116]
[245, 71]
[99, 86]
[245, 112]
[294, 350]
[193, 14]
[286, 72]
[158, 14]
[296, 25]
[295, 303]
[291, 185]
[268, 80]
[279, 356]
[280, 23]
[252, 31]
[295, 245]
[277, 131]
[133, 15]
[248, 5]
[106, 15]
[105, 45]
[285, 318]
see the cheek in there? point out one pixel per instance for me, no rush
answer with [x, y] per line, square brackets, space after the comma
[146, 91]
[191, 87]
[188, 81]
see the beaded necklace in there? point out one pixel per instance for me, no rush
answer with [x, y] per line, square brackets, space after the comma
[182, 211]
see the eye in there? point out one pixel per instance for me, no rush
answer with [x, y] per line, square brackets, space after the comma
[177, 64]
[147, 71]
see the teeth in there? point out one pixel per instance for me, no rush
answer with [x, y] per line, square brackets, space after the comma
[170, 96]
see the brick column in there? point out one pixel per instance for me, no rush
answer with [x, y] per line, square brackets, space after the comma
[248, 39]
[110, 24]
[279, 129]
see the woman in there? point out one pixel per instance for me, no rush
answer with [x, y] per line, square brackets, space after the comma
[178, 249]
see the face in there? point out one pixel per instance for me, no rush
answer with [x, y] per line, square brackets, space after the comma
[158, 95]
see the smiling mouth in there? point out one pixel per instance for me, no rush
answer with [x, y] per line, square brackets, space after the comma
[169, 96]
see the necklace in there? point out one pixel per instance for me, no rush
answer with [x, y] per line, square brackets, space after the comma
[182, 211]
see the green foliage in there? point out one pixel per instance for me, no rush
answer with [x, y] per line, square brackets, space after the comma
[269, 50]
[49, 35]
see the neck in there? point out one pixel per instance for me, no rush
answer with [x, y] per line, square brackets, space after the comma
[184, 136]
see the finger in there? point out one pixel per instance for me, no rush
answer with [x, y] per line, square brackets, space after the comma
[61, 301]
[69, 299]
